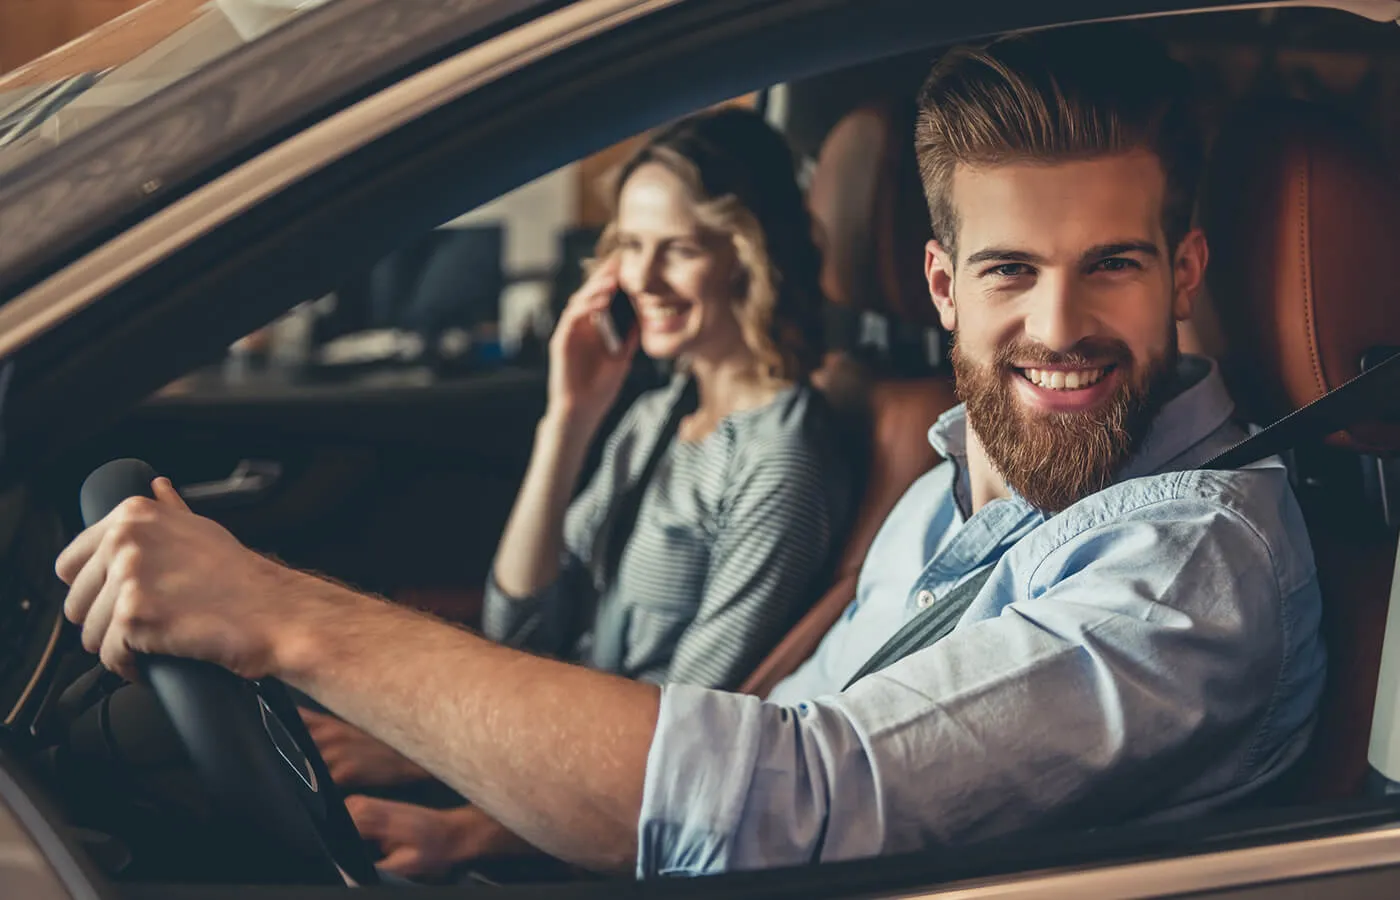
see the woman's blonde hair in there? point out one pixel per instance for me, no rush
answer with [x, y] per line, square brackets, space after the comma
[741, 176]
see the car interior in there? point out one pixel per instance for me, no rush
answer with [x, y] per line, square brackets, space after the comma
[378, 434]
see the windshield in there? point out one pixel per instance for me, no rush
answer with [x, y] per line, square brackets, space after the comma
[61, 94]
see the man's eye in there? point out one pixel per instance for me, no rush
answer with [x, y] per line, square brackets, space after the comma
[1009, 270]
[1116, 264]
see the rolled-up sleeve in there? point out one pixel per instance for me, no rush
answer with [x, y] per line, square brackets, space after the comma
[733, 782]
[545, 622]
[1139, 671]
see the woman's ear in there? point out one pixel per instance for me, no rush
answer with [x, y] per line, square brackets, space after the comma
[938, 269]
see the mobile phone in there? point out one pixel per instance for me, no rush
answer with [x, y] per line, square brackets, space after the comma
[617, 323]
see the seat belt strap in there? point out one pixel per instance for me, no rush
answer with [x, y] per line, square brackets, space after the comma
[931, 625]
[1370, 395]
[1363, 398]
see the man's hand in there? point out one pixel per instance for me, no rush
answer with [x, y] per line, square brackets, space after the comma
[357, 760]
[517, 733]
[154, 578]
[418, 842]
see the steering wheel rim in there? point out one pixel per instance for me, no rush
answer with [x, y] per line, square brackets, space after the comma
[246, 741]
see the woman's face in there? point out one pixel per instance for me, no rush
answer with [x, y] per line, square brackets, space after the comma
[682, 277]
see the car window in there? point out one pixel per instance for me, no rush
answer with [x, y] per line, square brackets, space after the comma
[58, 96]
[479, 292]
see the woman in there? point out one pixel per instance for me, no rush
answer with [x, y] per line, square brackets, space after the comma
[706, 529]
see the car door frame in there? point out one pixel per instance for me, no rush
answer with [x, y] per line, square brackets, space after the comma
[93, 345]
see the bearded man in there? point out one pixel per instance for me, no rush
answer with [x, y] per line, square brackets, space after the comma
[1129, 638]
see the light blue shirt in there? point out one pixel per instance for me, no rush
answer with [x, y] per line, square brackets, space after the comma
[1152, 652]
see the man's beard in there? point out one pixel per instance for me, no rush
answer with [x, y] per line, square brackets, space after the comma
[1055, 459]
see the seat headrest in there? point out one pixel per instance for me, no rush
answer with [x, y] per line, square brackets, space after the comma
[867, 199]
[1302, 213]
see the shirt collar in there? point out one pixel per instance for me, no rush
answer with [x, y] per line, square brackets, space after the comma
[1199, 406]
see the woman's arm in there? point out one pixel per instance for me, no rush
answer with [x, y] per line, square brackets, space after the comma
[532, 545]
[584, 381]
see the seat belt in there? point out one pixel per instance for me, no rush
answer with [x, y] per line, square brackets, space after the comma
[1361, 399]
[1365, 397]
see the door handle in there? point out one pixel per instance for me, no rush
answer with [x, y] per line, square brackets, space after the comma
[249, 478]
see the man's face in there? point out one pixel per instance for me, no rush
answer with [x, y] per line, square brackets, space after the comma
[1064, 299]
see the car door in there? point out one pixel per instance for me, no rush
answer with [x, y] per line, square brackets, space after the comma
[91, 342]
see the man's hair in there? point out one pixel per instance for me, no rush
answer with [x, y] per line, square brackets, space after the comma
[1058, 96]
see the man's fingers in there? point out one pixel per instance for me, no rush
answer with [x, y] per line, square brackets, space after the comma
[342, 769]
[367, 814]
[75, 556]
[319, 725]
[117, 656]
[404, 860]
[165, 492]
[86, 586]
[97, 616]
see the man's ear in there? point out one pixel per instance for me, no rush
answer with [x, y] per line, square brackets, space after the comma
[1189, 273]
[938, 269]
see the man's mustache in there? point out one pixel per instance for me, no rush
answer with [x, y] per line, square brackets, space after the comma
[1087, 353]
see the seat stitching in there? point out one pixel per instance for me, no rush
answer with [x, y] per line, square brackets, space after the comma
[1309, 319]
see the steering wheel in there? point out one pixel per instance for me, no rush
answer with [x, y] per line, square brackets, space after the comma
[246, 740]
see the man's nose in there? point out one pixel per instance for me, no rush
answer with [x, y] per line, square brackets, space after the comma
[1058, 318]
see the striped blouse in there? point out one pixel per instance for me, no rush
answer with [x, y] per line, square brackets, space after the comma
[730, 546]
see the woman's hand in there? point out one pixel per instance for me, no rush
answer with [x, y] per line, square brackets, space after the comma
[584, 378]
[357, 760]
[418, 842]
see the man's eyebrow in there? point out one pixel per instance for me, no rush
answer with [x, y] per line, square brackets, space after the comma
[1119, 248]
[1003, 254]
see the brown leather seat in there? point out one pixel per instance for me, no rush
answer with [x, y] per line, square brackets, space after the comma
[1303, 218]
[875, 225]
[867, 200]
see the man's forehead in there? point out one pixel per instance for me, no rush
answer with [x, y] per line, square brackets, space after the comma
[1059, 208]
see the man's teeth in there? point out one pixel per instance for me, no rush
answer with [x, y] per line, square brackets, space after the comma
[1061, 380]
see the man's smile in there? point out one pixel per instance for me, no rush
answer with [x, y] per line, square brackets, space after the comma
[1064, 389]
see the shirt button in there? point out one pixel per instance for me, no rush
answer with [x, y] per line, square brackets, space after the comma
[924, 599]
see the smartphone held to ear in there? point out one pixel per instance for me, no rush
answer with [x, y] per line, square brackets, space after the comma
[617, 322]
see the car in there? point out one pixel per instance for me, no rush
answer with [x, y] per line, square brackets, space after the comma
[259, 157]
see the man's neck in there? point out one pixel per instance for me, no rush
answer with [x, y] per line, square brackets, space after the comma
[983, 478]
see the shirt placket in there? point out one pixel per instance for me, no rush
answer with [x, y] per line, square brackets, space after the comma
[981, 541]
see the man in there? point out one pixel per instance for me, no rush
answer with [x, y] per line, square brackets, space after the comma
[1145, 646]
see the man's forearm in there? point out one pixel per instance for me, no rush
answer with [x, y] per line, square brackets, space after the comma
[527, 560]
[555, 752]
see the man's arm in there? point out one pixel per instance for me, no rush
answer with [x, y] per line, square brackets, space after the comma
[1137, 668]
[557, 753]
